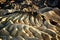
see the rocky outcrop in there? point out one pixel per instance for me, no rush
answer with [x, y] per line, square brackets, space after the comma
[27, 26]
[29, 20]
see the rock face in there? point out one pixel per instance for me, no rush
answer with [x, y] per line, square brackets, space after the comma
[32, 4]
[29, 20]
[27, 26]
